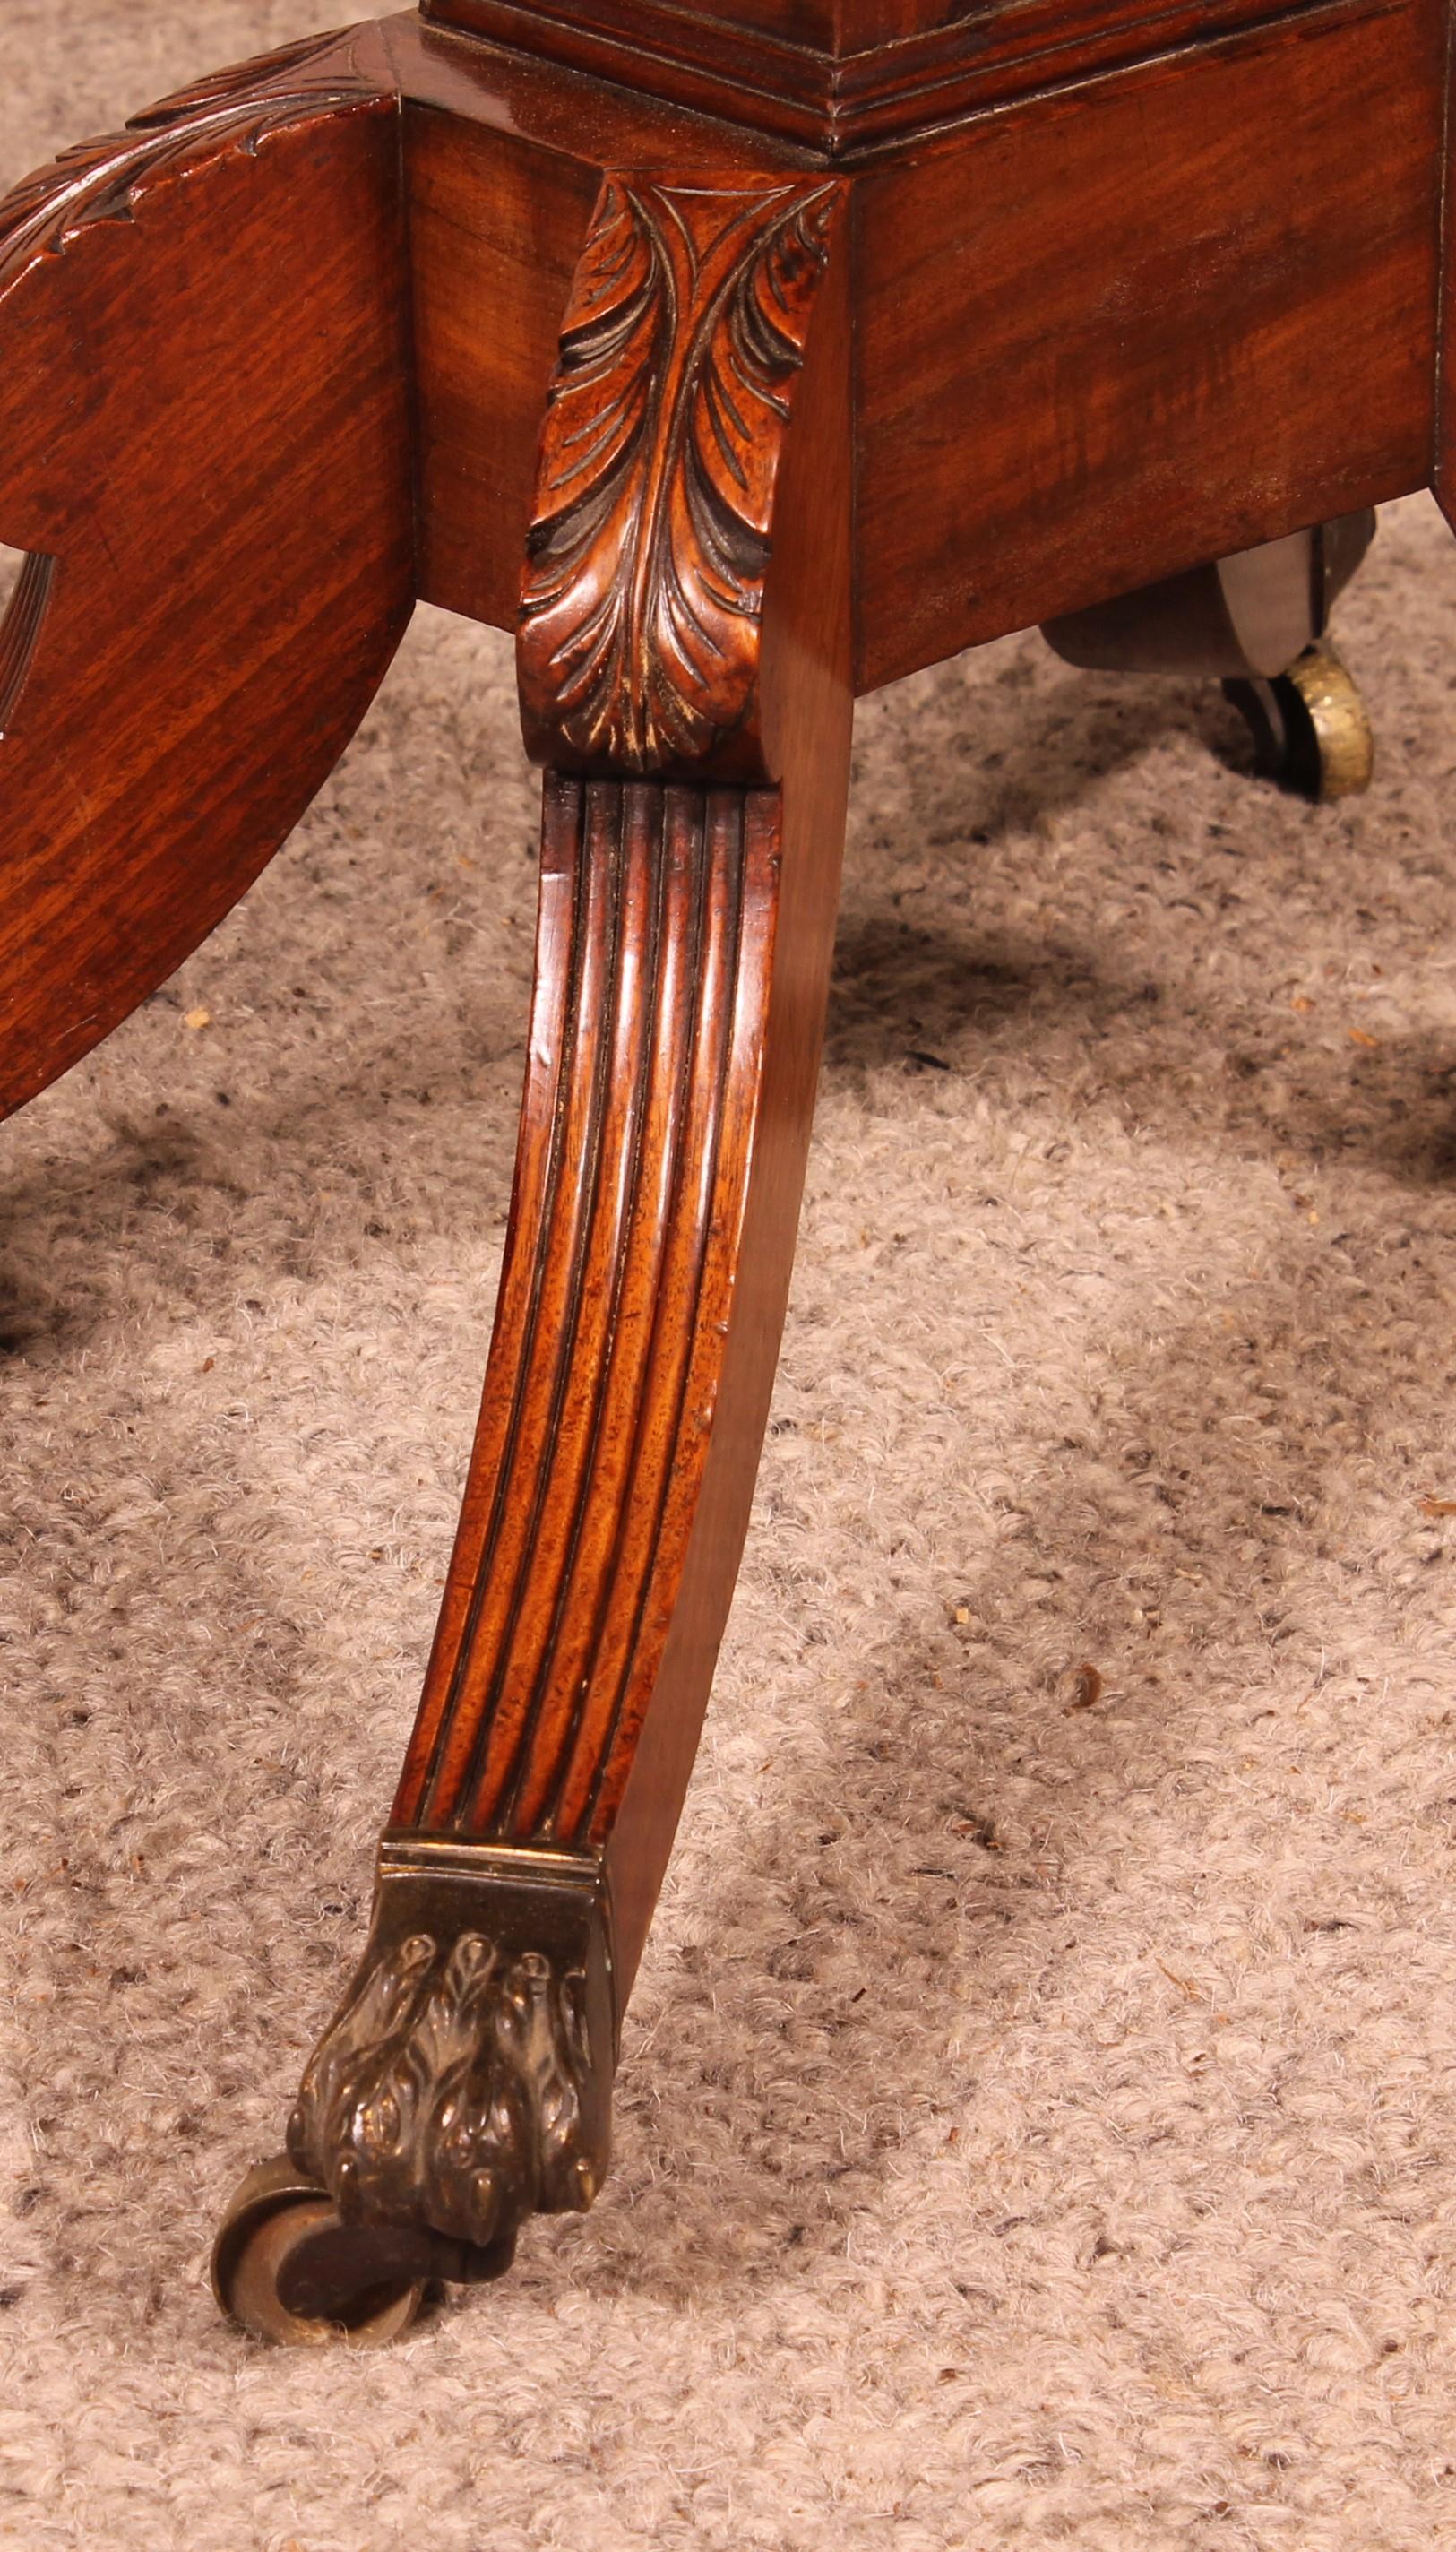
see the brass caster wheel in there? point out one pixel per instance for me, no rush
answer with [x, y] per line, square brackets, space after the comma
[1310, 728]
[288, 2268]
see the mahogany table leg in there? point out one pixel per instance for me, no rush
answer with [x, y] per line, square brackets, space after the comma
[699, 420]
[205, 430]
[287, 421]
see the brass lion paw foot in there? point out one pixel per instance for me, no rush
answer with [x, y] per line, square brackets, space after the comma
[463, 2084]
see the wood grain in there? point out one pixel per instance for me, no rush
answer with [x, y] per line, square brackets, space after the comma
[1443, 468]
[657, 921]
[204, 434]
[683, 964]
[807, 717]
[1241, 344]
[789, 345]
[505, 157]
[851, 80]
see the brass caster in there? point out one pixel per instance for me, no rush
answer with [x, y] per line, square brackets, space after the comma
[288, 2267]
[1310, 728]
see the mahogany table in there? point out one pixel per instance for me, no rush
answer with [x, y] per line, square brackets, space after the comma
[739, 357]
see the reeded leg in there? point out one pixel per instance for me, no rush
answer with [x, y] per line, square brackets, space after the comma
[692, 694]
[205, 456]
[1257, 622]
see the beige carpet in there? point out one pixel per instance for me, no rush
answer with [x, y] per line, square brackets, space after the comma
[1037, 2123]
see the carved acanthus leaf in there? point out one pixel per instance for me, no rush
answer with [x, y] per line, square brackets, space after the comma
[644, 586]
[96, 181]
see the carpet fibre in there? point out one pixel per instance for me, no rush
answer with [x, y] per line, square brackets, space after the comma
[1037, 2122]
